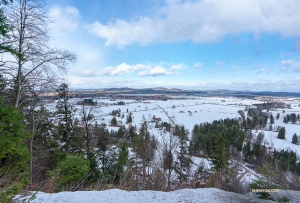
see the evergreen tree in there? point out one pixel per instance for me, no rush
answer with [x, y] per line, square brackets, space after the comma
[113, 121]
[66, 112]
[247, 153]
[14, 154]
[144, 146]
[73, 168]
[293, 118]
[183, 163]
[281, 133]
[271, 119]
[221, 152]
[129, 118]
[277, 116]
[295, 139]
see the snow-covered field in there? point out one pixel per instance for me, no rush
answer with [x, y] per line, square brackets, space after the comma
[196, 110]
[204, 195]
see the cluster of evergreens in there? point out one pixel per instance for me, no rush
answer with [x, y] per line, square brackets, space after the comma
[293, 118]
[116, 112]
[204, 136]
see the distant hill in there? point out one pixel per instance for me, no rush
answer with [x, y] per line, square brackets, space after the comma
[177, 91]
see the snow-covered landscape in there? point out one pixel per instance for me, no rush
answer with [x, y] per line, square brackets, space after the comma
[187, 111]
[149, 101]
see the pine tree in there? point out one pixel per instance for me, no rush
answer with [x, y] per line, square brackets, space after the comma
[281, 133]
[145, 147]
[14, 155]
[295, 139]
[271, 119]
[66, 112]
[221, 152]
[183, 163]
[247, 153]
[113, 121]
[73, 168]
[277, 116]
[129, 118]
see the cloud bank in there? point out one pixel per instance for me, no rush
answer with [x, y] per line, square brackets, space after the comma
[203, 21]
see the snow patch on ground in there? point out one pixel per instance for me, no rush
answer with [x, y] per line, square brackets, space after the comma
[120, 196]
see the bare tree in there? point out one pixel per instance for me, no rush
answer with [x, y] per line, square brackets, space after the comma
[87, 121]
[30, 38]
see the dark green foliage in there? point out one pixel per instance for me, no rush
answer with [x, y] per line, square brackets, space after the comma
[204, 136]
[259, 150]
[281, 133]
[295, 139]
[221, 152]
[247, 152]
[291, 118]
[94, 173]
[278, 116]
[144, 146]
[131, 132]
[183, 163]
[67, 133]
[113, 121]
[271, 119]
[5, 28]
[112, 164]
[121, 132]
[116, 112]
[121, 163]
[120, 103]
[255, 118]
[73, 168]
[7, 195]
[14, 154]
[287, 161]
[129, 118]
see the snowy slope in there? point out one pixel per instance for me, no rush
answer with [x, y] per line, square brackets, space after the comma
[212, 195]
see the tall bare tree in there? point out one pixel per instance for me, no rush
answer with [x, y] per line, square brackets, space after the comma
[30, 37]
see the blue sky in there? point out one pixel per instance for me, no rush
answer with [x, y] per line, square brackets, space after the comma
[187, 44]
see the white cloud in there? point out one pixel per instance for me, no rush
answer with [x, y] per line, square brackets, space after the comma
[124, 68]
[64, 19]
[176, 67]
[156, 71]
[122, 33]
[204, 21]
[291, 64]
[198, 65]
[219, 63]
